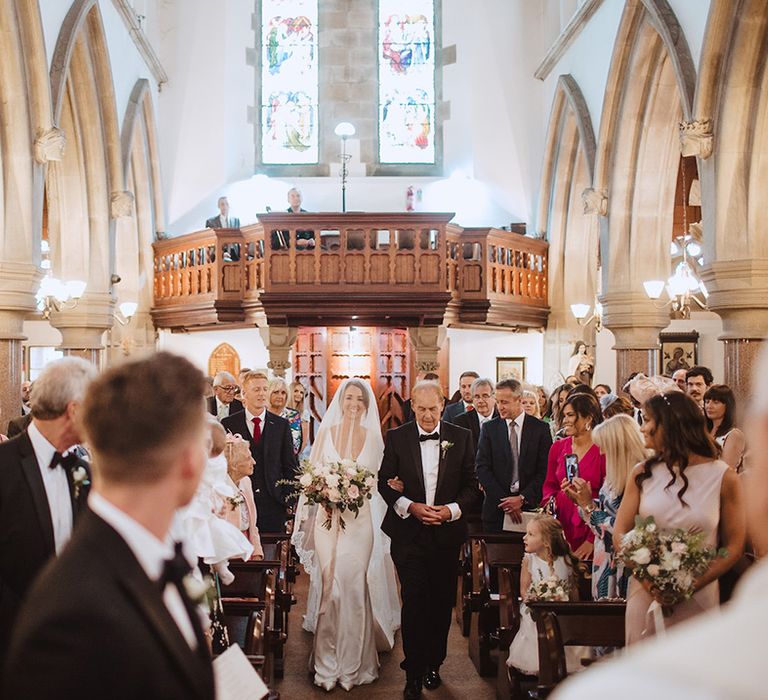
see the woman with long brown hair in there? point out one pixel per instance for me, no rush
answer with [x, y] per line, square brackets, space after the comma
[683, 485]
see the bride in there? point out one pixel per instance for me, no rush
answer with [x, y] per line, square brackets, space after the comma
[353, 606]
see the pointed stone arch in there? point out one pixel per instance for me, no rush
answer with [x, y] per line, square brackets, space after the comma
[649, 91]
[85, 190]
[573, 237]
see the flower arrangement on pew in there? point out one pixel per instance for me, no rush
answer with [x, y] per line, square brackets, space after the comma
[549, 588]
[669, 560]
[335, 486]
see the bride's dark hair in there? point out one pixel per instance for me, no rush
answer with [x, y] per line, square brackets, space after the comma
[363, 388]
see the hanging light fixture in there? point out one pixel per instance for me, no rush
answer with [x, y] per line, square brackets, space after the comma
[683, 285]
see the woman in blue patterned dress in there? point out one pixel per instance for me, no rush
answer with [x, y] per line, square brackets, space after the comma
[277, 397]
[620, 440]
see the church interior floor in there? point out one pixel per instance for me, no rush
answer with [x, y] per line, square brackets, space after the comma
[460, 680]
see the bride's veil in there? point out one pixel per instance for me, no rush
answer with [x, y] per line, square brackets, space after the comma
[335, 442]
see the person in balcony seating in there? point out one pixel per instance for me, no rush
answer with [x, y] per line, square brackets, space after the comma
[224, 220]
[305, 240]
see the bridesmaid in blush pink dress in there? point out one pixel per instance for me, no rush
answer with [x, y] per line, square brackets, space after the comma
[580, 414]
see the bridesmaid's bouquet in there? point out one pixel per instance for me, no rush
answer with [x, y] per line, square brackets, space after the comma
[335, 486]
[671, 560]
[549, 588]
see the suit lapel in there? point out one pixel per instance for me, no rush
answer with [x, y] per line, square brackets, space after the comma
[442, 458]
[148, 600]
[35, 480]
[414, 444]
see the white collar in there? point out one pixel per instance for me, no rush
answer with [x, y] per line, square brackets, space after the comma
[517, 421]
[261, 416]
[424, 432]
[150, 552]
[44, 451]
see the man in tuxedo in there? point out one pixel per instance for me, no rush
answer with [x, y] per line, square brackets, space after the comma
[41, 493]
[269, 436]
[465, 403]
[223, 402]
[420, 377]
[16, 426]
[433, 460]
[511, 460]
[115, 598]
[484, 402]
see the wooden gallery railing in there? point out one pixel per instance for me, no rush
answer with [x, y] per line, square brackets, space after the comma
[330, 268]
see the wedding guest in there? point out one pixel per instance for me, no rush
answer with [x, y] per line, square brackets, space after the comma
[719, 656]
[530, 403]
[678, 377]
[116, 597]
[602, 390]
[465, 404]
[612, 405]
[556, 402]
[26, 393]
[427, 527]
[484, 401]
[305, 240]
[297, 400]
[223, 403]
[511, 459]
[581, 414]
[241, 510]
[684, 485]
[271, 443]
[620, 440]
[222, 219]
[543, 404]
[583, 389]
[697, 380]
[43, 484]
[277, 401]
[720, 413]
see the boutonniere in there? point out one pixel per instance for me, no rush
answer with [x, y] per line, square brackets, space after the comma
[445, 445]
[199, 591]
[79, 479]
[236, 500]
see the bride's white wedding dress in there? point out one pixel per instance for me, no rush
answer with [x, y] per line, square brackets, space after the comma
[353, 606]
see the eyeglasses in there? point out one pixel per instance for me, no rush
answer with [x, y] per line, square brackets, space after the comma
[228, 389]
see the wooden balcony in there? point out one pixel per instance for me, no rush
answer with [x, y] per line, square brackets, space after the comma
[376, 269]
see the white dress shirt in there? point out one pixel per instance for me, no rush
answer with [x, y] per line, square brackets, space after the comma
[56, 483]
[483, 419]
[151, 554]
[222, 409]
[430, 465]
[224, 221]
[515, 486]
[249, 420]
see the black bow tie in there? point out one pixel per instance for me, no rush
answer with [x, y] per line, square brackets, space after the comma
[431, 436]
[68, 461]
[174, 569]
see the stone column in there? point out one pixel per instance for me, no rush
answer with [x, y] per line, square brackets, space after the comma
[636, 322]
[279, 341]
[738, 293]
[18, 283]
[82, 327]
[426, 341]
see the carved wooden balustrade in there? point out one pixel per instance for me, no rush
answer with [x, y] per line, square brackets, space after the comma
[330, 269]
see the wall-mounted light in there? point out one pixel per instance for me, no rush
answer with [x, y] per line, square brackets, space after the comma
[56, 295]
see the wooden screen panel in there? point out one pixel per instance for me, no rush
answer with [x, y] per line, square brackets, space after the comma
[309, 369]
[224, 358]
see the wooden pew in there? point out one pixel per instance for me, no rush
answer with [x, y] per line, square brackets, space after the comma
[507, 684]
[489, 552]
[574, 623]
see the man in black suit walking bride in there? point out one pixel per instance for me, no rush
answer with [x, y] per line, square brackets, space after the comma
[434, 462]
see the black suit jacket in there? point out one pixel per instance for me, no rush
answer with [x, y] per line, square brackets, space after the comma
[215, 222]
[235, 407]
[16, 426]
[493, 464]
[26, 529]
[274, 455]
[471, 422]
[95, 626]
[455, 483]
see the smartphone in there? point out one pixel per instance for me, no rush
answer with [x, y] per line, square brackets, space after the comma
[571, 466]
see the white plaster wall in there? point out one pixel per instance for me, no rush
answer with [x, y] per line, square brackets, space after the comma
[198, 346]
[478, 349]
[605, 359]
[710, 328]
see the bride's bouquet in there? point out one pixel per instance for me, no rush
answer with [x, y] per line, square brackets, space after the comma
[671, 560]
[335, 486]
[549, 588]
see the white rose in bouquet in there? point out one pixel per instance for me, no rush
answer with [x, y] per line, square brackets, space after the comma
[305, 479]
[642, 556]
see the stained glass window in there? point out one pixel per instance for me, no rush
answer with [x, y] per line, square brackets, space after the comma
[406, 81]
[289, 128]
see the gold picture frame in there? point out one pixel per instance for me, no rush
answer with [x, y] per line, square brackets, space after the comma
[510, 368]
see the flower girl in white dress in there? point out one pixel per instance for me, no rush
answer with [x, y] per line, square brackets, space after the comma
[548, 573]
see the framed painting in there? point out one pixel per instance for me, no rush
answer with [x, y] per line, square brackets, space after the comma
[510, 368]
[678, 351]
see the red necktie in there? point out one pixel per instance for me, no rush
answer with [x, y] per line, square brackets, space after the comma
[256, 430]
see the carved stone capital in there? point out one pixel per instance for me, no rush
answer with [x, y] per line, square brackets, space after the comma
[121, 204]
[595, 201]
[696, 138]
[426, 366]
[278, 366]
[49, 145]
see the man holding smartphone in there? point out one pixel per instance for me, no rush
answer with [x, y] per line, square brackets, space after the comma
[511, 461]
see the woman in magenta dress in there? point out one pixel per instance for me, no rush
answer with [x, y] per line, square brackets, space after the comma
[580, 414]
